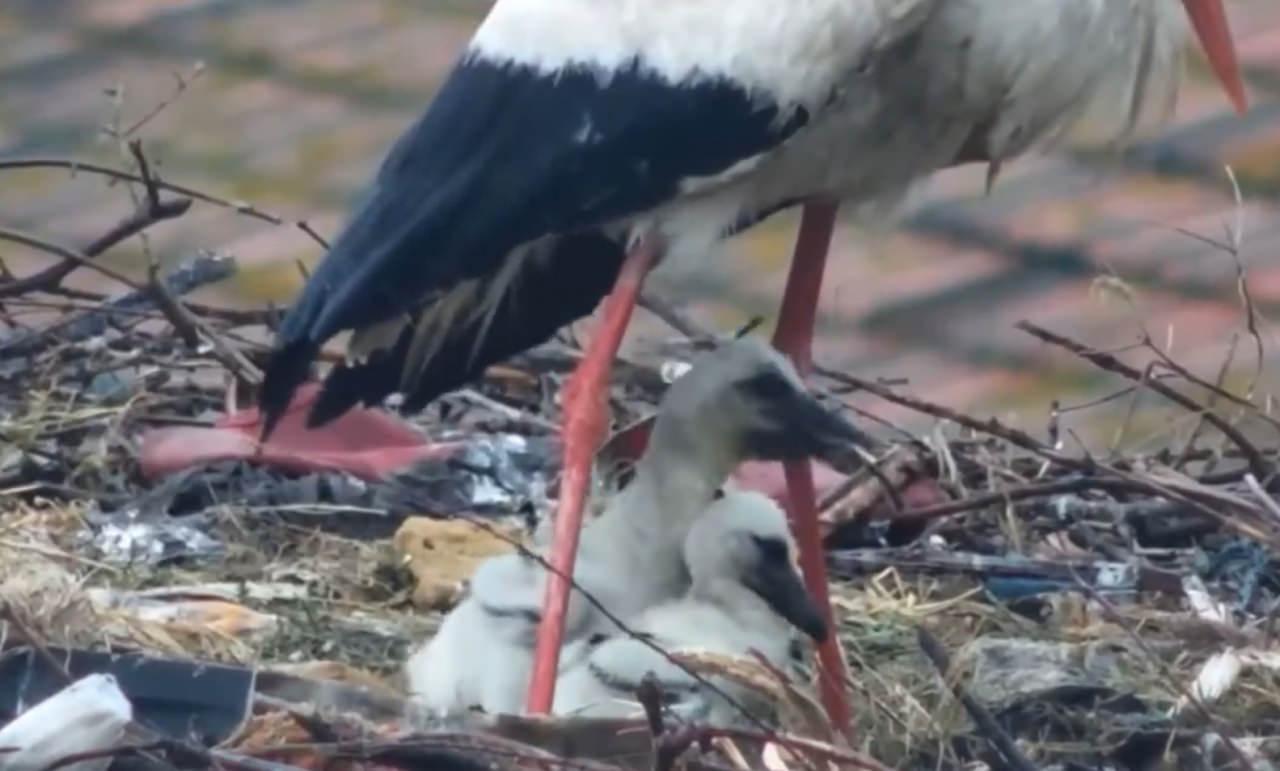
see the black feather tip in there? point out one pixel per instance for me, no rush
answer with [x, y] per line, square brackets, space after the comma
[287, 369]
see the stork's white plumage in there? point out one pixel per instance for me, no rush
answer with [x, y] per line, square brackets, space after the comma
[743, 401]
[968, 80]
[574, 130]
[745, 597]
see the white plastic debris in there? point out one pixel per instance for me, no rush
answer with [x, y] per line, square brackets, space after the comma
[1202, 602]
[132, 541]
[88, 715]
[1218, 673]
[771, 758]
[673, 369]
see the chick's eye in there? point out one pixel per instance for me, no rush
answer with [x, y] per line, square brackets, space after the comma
[768, 385]
[772, 549]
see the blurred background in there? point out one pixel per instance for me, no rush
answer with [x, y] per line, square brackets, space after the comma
[290, 104]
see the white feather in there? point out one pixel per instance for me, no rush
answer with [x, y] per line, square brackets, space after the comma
[1019, 75]
[1217, 675]
[792, 55]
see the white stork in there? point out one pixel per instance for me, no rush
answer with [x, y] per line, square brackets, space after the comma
[577, 142]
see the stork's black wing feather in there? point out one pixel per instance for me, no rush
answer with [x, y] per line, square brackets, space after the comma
[547, 295]
[506, 154]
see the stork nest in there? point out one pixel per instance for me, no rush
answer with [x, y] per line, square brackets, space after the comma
[1020, 596]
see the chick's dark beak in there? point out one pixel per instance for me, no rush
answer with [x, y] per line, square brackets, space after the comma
[800, 427]
[778, 584]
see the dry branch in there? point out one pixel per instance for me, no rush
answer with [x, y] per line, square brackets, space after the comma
[999, 739]
[239, 207]
[1259, 465]
[144, 216]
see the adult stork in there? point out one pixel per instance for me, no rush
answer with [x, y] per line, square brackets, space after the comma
[578, 142]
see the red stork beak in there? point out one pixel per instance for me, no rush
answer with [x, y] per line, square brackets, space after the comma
[1209, 19]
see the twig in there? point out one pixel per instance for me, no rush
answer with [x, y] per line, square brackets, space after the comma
[667, 746]
[649, 694]
[1117, 439]
[142, 218]
[181, 84]
[1236, 236]
[999, 739]
[75, 258]
[200, 271]
[1261, 468]
[1114, 616]
[854, 498]
[1028, 492]
[412, 748]
[1204, 504]
[10, 614]
[305, 227]
[240, 207]
[673, 318]
[182, 322]
[102, 754]
[1215, 390]
[1255, 487]
[801, 744]
[191, 329]
[507, 411]
[990, 426]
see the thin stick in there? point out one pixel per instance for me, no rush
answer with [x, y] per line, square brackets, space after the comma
[10, 614]
[996, 736]
[76, 258]
[1105, 361]
[239, 207]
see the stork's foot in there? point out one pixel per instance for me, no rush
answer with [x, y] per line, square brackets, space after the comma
[368, 443]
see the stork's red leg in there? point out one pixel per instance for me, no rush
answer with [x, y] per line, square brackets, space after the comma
[794, 336]
[585, 421]
[1209, 19]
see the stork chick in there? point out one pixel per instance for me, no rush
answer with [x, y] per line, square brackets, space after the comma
[746, 595]
[741, 402]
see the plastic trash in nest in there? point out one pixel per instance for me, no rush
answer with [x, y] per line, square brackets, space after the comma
[146, 532]
[497, 474]
[87, 716]
[186, 700]
[1245, 571]
[1112, 579]
[132, 541]
[1020, 678]
[129, 536]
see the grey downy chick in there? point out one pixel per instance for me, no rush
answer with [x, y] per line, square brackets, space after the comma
[742, 401]
[746, 595]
